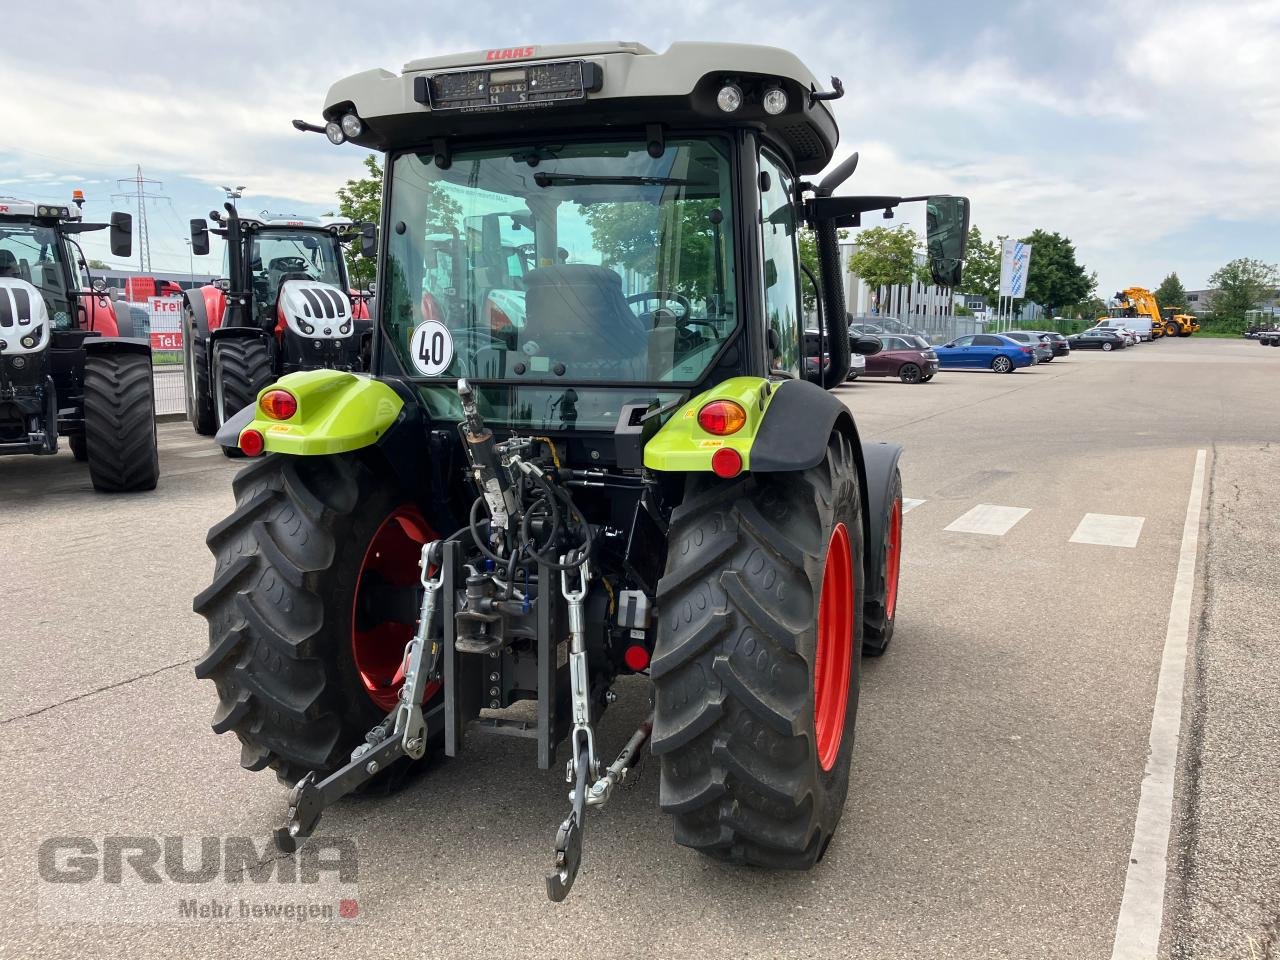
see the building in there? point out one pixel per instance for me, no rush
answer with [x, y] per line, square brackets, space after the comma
[1200, 302]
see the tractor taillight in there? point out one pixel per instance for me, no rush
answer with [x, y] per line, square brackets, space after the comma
[636, 657]
[722, 417]
[278, 404]
[726, 462]
[252, 443]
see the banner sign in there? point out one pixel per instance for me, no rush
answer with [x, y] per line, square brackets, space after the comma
[165, 314]
[1015, 261]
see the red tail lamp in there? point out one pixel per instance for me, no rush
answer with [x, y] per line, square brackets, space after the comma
[278, 404]
[726, 462]
[722, 417]
[636, 657]
[252, 443]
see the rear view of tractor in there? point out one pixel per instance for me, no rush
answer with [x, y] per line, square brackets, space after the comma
[65, 373]
[283, 305]
[587, 451]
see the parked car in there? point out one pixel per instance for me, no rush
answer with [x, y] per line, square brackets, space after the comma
[910, 359]
[1060, 344]
[857, 362]
[872, 325]
[985, 350]
[1140, 327]
[1129, 336]
[1038, 342]
[1098, 338]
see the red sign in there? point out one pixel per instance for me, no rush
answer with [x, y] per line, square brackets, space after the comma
[509, 53]
[166, 339]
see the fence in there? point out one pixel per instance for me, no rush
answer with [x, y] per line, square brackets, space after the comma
[159, 320]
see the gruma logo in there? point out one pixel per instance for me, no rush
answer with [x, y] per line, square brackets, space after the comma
[509, 53]
[175, 879]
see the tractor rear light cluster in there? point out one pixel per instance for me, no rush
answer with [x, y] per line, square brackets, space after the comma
[722, 418]
[278, 404]
[252, 443]
[726, 462]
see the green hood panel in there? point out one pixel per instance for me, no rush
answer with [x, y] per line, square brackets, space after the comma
[337, 412]
[683, 446]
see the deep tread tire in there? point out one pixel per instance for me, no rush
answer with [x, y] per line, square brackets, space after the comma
[120, 422]
[241, 368]
[877, 625]
[733, 665]
[196, 379]
[280, 608]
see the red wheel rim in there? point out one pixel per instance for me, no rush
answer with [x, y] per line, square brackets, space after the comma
[391, 559]
[834, 659]
[893, 561]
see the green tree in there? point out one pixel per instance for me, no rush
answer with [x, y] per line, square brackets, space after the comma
[982, 267]
[1240, 286]
[96, 264]
[1171, 293]
[1056, 279]
[643, 237]
[361, 200]
[887, 257]
[808, 246]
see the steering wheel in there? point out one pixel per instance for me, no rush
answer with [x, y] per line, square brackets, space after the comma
[288, 265]
[660, 297]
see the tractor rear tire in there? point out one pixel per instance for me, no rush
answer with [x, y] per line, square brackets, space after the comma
[282, 612]
[120, 422]
[744, 730]
[882, 587]
[195, 361]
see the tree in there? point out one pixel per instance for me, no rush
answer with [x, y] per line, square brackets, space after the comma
[643, 237]
[1056, 279]
[1171, 293]
[1241, 285]
[887, 257]
[361, 200]
[808, 246]
[96, 264]
[982, 267]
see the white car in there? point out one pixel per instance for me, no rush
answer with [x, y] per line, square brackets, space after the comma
[857, 366]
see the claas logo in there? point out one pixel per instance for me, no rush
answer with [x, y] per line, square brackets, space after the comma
[509, 53]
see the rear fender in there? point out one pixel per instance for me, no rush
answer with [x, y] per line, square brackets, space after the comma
[209, 305]
[337, 412]
[99, 314]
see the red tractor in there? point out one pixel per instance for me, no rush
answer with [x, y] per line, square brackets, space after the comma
[284, 304]
[65, 371]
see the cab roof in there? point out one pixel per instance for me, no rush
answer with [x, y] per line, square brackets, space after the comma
[623, 84]
[13, 207]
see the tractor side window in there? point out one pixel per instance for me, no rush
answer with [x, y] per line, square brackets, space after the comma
[781, 274]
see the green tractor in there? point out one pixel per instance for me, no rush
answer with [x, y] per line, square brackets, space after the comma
[586, 449]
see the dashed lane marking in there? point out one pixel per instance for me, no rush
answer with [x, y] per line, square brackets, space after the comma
[1108, 531]
[989, 519]
[909, 504]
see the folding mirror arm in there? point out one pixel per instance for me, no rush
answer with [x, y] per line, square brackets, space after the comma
[305, 127]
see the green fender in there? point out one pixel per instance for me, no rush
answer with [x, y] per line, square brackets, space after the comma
[681, 446]
[337, 412]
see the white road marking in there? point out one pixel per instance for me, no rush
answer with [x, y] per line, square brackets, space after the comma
[1142, 906]
[1108, 531]
[989, 519]
[908, 504]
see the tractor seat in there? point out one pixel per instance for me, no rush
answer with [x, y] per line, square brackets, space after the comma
[576, 311]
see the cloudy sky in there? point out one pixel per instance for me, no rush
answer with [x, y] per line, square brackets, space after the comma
[1146, 130]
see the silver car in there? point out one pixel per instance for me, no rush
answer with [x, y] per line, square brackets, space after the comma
[1038, 341]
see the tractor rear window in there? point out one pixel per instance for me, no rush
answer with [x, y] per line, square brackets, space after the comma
[561, 263]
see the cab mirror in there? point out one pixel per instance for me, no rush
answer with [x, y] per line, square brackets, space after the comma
[369, 240]
[199, 237]
[947, 230]
[121, 234]
[867, 346]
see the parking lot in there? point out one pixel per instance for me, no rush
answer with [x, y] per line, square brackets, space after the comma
[1001, 743]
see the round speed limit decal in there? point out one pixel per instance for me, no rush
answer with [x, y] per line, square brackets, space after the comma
[431, 348]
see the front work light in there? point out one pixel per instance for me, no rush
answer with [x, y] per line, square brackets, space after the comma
[775, 101]
[729, 98]
[352, 126]
[334, 133]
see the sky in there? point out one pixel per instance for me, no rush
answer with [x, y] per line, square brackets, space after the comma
[1148, 132]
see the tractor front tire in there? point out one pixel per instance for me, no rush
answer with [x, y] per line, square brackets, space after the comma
[882, 587]
[195, 360]
[120, 422]
[241, 367]
[282, 612]
[756, 664]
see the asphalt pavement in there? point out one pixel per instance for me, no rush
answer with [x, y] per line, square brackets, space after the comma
[1001, 743]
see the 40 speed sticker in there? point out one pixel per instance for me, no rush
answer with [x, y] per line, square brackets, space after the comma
[431, 348]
